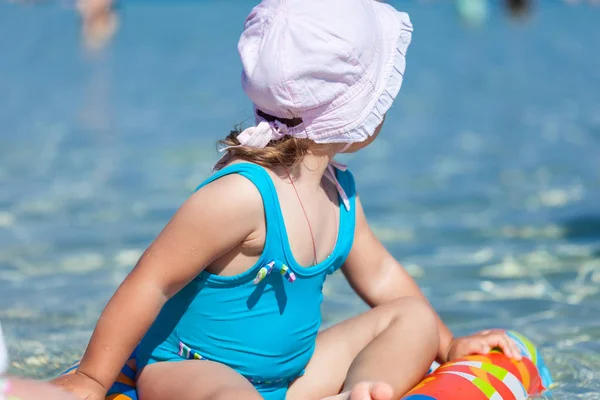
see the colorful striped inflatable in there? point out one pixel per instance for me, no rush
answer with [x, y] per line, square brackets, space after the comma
[489, 377]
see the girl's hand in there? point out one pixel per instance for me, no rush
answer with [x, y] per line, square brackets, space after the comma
[81, 386]
[482, 343]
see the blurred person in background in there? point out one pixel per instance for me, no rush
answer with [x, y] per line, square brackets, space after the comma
[99, 22]
[476, 12]
[518, 8]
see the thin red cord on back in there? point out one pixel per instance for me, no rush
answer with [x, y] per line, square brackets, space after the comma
[312, 236]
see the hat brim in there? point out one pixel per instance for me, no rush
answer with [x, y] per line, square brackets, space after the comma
[357, 118]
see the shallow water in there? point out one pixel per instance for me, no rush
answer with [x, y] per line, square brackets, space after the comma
[485, 182]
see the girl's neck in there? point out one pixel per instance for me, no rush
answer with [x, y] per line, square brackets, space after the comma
[309, 172]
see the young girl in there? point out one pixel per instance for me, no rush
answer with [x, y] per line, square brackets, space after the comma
[225, 303]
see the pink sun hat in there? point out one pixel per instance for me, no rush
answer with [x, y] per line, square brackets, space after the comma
[332, 66]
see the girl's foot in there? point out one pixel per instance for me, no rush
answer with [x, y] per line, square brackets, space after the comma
[366, 391]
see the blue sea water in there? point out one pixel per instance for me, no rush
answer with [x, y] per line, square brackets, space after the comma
[485, 181]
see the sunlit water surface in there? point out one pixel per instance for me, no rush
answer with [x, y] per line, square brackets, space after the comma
[485, 182]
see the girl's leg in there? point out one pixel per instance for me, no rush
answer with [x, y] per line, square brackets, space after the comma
[379, 355]
[193, 380]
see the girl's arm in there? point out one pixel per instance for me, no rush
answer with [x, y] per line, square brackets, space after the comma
[378, 278]
[212, 222]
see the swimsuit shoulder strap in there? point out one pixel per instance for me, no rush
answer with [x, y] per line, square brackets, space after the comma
[263, 182]
[347, 216]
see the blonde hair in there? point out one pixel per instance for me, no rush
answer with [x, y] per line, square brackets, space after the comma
[287, 152]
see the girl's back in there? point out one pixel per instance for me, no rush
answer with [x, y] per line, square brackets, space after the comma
[311, 215]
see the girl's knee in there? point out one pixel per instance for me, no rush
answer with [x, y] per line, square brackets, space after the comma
[417, 312]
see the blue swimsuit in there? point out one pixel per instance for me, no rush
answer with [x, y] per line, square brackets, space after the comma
[263, 323]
